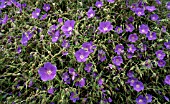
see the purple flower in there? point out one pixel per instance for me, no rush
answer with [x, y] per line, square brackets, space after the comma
[43, 17]
[100, 81]
[151, 36]
[99, 4]
[2, 4]
[24, 39]
[68, 26]
[143, 29]
[46, 7]
[60, 20]
[36, 13]
[105, 27]
[133, 7]
[130, 74]
[132, 80]
[65, 44]
[101, 55]
[161, 63]
[82, 82]
[5, 19]
[91, 13]
[131, 19]
[129, 28]
[168, 5]
[111, 1]
[167, 45]
[166, 98]
[117, 60]
[138, 86]
[131, 48]
[133, 37]
[19, 49]
[118, 29]
[74, 97]
[51, 91]
[65, 77]
[88, 67]
[47, 72]
[73, 73]
[119, 49]
[160, 54]
[154, 17]
[88, 46]
[141, 100]
[129, 55]
[81, 55]
[167, 79]
[150, 8]
[163, 29]
[149, 98]
[55, 37]
[168, 15]
[52, 30]
[140, 11]
[158, 2]
[143, 48]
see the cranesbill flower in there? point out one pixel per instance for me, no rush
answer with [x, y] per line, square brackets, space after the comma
[143, 29]
[129, 28]
[119, 49]
[73, 73]
[19, 49]
[91, 13]
[88, 46]
[154, 17]
[166, 98]
[36, 13]
[158, 2]
[149, 98]
[60, 20]
[138, 86]
[133, 7]
[151, 36]
[168, 15]
[43, 17]
[167, 79]
[139, 12]
[68, 26]
[46, 7]
[150, 8]
[163, 29]
[118, 29]
[47, 72]
[168, 5]
[74, 97]
[5, 19]
[65, 76]
[111, 1]
[105, 27]
[99, 4]
[130, 74]
[133, 37]
[132, 80]
[167, 45]
[117, 60]
[2, 4]
[131, 48]
[52, 30]
[24, 39]
[51, 90]
[82, 82]
[131, 19]
[55, 37]
[129, 55]
[101, 55]
[88, 67]
[161, 63]
[81, 55]
[100, 81]
[160, 54]
[65, 44]
[141, 100]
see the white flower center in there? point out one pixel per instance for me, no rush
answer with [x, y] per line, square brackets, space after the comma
[81, 57]
[37, 14]
[139, 13]
[49, 72]
[105, 29]
[137, 86]
[69, 28]
[91, 15]
[140, 100]
[143, 31]
[99, 5]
